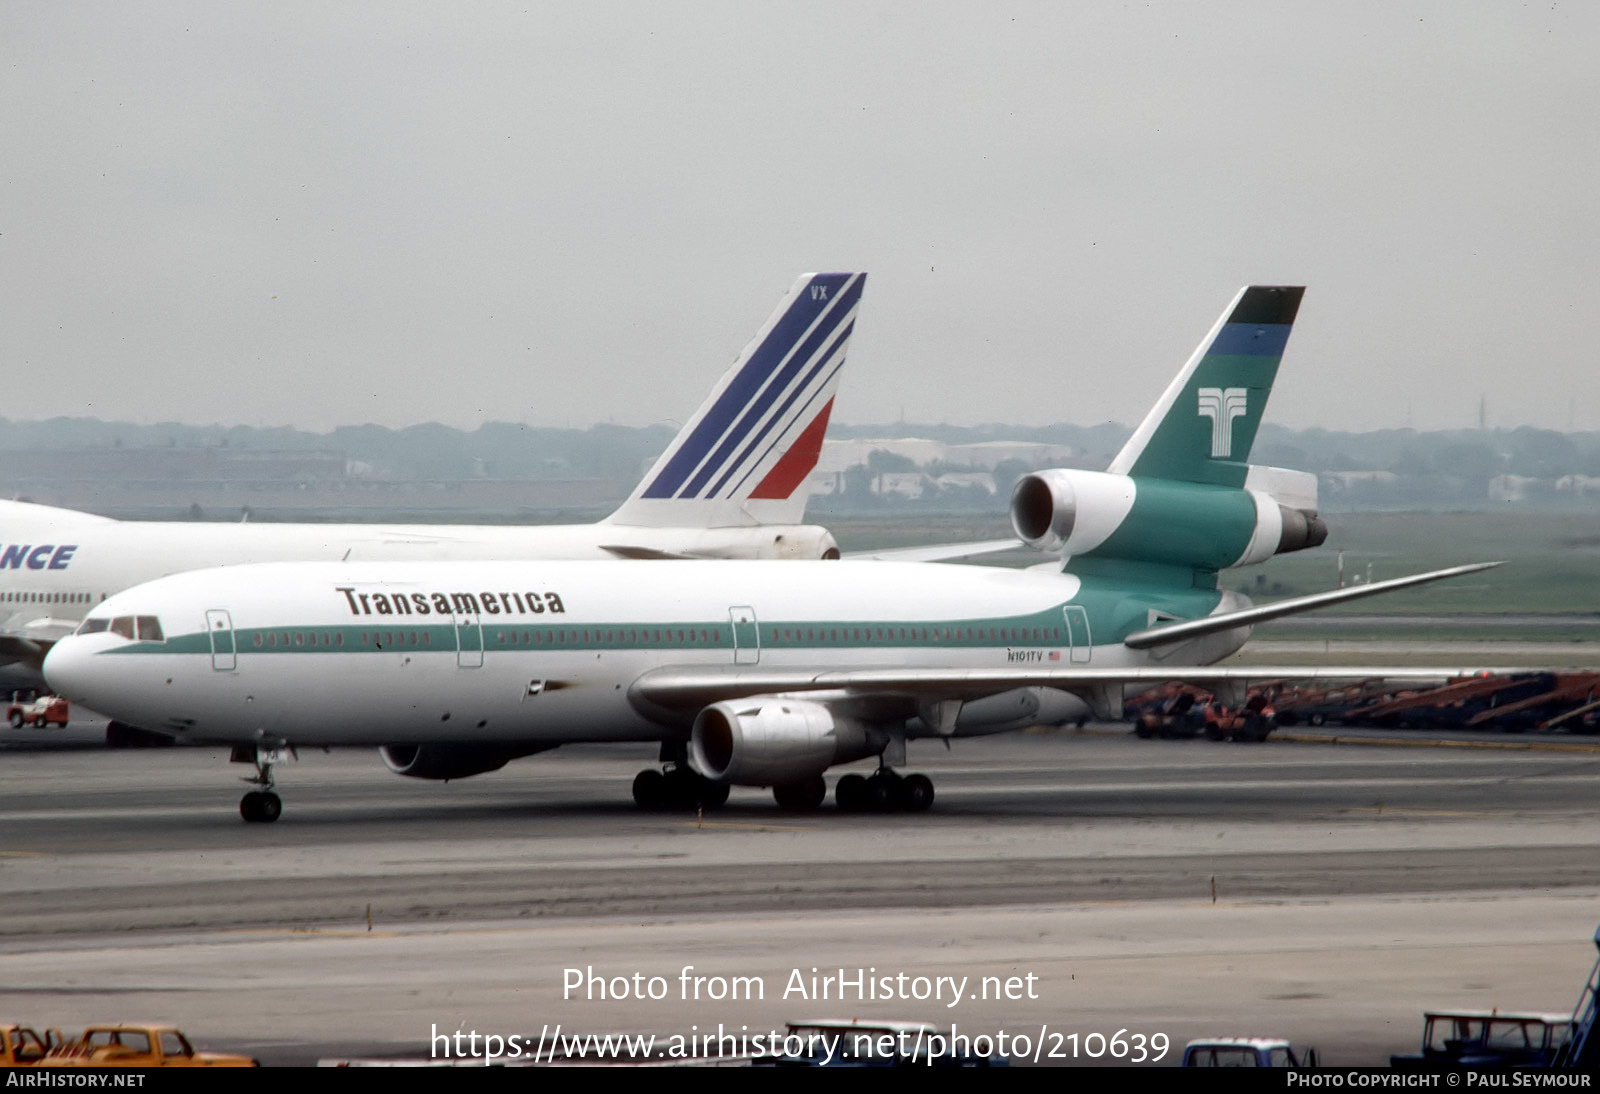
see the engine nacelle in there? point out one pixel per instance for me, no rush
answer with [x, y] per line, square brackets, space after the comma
[789, 541]
[1067, 511]
[766, 741]
[453, 761]
[804, 542]
[1094, 513]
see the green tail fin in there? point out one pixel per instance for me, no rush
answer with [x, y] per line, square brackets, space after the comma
[1205, 423]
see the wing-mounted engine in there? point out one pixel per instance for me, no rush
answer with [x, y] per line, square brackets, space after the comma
[767, 741]
[453, 761]
[1080, 513]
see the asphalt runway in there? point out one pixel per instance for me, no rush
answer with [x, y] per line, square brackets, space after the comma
[1325, 892]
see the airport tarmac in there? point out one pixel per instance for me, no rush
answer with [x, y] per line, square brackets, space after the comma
[1323, 892]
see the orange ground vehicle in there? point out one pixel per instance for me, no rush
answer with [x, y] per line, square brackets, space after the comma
[137, 1046]
[21, 1046]
[40, 712]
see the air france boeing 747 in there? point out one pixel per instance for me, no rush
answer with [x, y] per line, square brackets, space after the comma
[731, 485]
[747, 672]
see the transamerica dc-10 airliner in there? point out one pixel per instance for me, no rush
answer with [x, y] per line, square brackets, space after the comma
[747, 672]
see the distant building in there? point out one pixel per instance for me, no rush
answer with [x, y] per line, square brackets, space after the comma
[985, 456]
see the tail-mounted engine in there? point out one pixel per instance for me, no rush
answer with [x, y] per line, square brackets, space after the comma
[1094, 513]
[764, 741]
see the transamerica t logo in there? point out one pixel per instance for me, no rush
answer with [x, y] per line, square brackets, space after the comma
[1222, 406]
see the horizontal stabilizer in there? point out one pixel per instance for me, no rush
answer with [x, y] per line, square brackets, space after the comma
[1212, 624]
[940, 552]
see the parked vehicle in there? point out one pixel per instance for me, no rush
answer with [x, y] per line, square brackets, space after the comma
[1179, 716]
[1467, 1039]
[137, 1046]
[40, 712]
[1252, 722]
[21, 1046]
[1247, 1052]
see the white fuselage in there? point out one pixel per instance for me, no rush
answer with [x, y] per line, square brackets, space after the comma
[387, 653]
[56, 564]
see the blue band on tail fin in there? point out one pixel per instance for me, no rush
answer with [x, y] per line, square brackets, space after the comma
[1247, 340]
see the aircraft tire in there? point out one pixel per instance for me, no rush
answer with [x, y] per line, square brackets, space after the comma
[850, 793]
[678, 789]
[250, 807]
[16, 719]
[802, 796]
[683, 789]
[270, 809]
[711, 795]
[649, 789]
[916, 793]
[883, 792]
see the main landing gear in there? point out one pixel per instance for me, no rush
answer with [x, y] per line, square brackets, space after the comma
[259, 806]
[884, 792]
[675, 788]
[802, 796]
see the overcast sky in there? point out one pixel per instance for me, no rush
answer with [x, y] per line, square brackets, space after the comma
[319, 214]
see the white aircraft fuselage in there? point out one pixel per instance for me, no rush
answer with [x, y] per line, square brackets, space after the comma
[57, 563]
[387, 653]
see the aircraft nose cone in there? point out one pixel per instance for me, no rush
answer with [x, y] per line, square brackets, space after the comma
[64, 669]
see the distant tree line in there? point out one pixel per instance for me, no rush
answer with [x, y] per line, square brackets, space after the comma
[1386, 467]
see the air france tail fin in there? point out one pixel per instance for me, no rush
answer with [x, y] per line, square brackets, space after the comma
[1205, 423]
[745, 456]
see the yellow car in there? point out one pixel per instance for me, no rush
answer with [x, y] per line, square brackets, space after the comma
[137, 1046]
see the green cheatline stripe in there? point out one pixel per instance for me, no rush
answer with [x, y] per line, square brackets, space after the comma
[1045, 628]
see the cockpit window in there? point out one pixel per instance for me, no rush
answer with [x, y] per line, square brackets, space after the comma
[146, 628]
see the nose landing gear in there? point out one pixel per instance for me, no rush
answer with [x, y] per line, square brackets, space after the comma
[259, 806]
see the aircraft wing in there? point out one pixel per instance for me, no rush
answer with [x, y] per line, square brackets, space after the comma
[937, 693]
[941, 552]
[683, 691]
[1168, 633]
[29, 651]
[31, 640]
